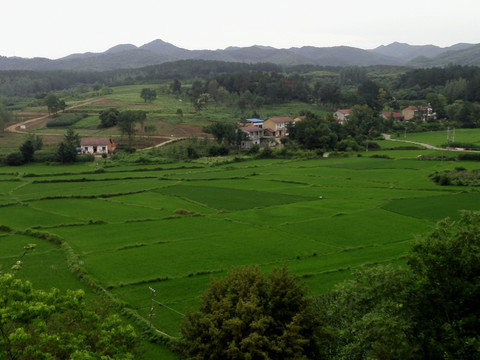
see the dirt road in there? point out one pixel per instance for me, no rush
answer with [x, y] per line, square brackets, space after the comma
[17, 128]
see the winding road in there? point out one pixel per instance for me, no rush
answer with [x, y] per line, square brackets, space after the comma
[17, 128]
[428, 146]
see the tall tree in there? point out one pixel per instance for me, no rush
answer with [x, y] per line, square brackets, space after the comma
[54, 104]
[67, 149]
[248, 315]
[27, 149]
[148, 94]
[446, 264]
[127, 121]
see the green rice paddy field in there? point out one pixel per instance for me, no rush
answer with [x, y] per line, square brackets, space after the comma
[173, 227]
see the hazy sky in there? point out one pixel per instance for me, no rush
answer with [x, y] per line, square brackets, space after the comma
[56, 28]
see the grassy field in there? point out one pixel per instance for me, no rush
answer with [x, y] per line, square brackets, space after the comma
[172, 227]
[439, 138]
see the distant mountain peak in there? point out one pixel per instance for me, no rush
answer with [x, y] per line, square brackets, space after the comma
[120, 48]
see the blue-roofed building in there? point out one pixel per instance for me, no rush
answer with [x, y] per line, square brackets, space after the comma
[255, 122]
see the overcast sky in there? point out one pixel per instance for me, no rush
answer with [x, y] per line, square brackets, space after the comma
[56, 28]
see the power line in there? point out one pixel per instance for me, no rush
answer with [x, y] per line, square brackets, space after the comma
[169, 308]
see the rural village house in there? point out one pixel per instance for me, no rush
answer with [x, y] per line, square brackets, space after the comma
[255, 122]
[341, 115]
[277, 125]
[396, 116]
[255, 135]
[419, 112]
[96, 145]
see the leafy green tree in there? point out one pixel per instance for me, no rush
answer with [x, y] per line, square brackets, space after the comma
[202, 102]
[36, 141]
[249, 315]
[54, 104]
[447, 288]
[67, 149]
[27, 149]
[148, 94]
[109, 117]
[370, 315]
[36, 324]
[127, 121]
[176, 87]
[438, 103]
[428, 310]
[314, 133]
[221, 131]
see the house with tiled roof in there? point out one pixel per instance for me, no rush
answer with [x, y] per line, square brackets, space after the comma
[277, 125]
[393, 115]
[94, 145]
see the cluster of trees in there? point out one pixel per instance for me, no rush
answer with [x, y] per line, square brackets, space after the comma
[26, 151]
[326, 134]
[36, 324]
[126, 120]
[148, 94]
[427, 310]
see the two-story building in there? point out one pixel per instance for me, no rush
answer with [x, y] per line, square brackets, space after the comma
[277, 125]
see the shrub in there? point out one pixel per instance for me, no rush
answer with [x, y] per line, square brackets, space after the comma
[267, 153]
[15, 159]
[43, 156]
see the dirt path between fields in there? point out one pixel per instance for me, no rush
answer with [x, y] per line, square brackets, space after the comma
[17, 128]
[428, 146]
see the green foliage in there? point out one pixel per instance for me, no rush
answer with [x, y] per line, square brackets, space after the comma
[426, 311]
[65, 120]
[458, 176]
[15, 159]
[127, 121]
[251, 315]
[67, 149]
[54, 103]
[148, 94]
[109, 117]
[447, 289]
[36, 324]
[27, 149]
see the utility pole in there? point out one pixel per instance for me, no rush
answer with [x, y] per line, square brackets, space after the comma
[152, 294]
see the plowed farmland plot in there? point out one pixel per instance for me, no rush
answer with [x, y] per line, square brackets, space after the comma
[172, 229]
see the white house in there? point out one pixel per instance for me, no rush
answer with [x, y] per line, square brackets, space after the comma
[96, 145]
[341, 115]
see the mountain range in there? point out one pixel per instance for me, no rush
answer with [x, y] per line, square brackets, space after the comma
[127, 56]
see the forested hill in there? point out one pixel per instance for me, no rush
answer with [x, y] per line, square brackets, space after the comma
[128, 56]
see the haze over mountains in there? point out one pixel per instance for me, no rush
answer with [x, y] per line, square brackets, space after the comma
[126, 56]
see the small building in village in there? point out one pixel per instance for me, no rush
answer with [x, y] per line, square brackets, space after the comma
[255, 135]
[393, 115]
[277, 125]
[96, 146]
[341, 115]
[422, 112]
[255, 122]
